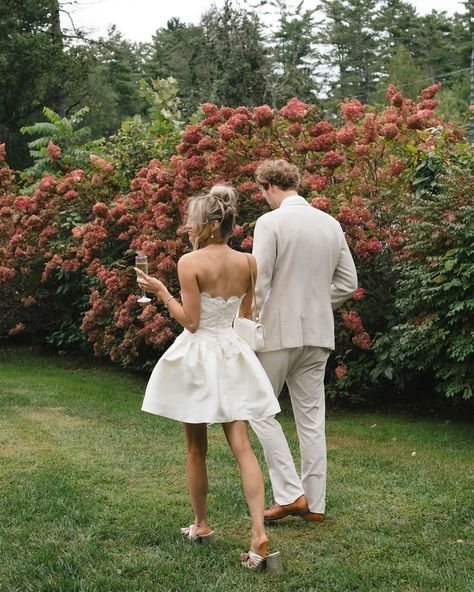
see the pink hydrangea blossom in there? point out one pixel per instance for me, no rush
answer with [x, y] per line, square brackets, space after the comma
[346, 135]
[18, 328]
[430, 91]
[209, 109]
[193, 133]
[100, 210]
[362, 340]
[294, 110]
[294, 129]
[322, 143]
[101, 163]
[352, 110]
[263, 116]
[396, 166]
[247, 243]
[362, 150]
[321, 203]
[415, 122]
[28, 301]
[389, 131]
[323, 127]
[348, 216]
[352, 321]
[318, 182]
[54, 152]
[47, 183]
[6, 274]
[332, 160]
[23, 203]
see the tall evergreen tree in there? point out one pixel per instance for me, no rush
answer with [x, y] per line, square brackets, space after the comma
[294, 57]
[350, 33]
[177, 50]
[399, 25]
[124, 68]
[437, 47]
[236, 57]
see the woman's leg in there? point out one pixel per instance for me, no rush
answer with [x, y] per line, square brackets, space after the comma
[252, 480]
[196, 473]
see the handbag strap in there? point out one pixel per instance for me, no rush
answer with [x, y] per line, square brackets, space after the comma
[252, 281]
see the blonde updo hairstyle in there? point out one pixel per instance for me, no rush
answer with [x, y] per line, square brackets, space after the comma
[219, 204]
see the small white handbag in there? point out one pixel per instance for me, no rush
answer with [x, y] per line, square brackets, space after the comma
[251, 331]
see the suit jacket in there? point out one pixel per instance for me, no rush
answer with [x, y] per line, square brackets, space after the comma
[305, 270]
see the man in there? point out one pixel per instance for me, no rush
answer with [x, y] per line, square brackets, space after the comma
[305, 270]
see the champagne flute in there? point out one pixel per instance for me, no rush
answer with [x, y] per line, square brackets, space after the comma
[141, 262]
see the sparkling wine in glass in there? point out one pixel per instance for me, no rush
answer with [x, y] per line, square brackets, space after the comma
[141, 262]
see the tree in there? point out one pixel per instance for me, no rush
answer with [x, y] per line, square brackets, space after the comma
[351, 34]
[294, 57]
[124, 66]
[437, 51]
[222, 60]
[36, 64]
[235, 56]
[177, 51]
[399, 26]
[402, 72]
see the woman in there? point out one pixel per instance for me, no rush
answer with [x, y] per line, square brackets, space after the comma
[210, 374]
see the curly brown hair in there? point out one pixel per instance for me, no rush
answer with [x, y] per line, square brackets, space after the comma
[277, 172]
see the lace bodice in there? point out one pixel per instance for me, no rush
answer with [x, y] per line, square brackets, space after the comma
[218, 313]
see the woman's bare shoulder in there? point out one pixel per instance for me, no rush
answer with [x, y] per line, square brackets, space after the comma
[244, 256]
[188, 259]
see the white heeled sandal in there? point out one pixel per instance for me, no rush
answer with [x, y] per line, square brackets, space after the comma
[254, 561]
[190, 533]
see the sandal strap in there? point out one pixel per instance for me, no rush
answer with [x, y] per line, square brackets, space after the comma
[251, 560]
[190, 532]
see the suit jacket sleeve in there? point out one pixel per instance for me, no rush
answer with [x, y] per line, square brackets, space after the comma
[265, 252]
[344, 279]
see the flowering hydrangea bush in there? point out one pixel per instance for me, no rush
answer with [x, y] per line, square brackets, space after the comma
[83, 223]
[429, 344]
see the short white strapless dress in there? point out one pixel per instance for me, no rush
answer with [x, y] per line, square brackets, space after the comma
[212, 375]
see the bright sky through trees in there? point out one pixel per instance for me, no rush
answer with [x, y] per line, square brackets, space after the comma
[139, 20]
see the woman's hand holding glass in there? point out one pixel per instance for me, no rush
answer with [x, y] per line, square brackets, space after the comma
[151, 285]
[141, 262]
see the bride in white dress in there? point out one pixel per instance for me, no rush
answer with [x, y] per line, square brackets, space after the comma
[210, 374]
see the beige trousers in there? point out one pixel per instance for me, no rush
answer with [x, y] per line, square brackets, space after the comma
[303, 370]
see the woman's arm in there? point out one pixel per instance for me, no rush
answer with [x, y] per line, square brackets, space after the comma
[187, 314]
[247, 303]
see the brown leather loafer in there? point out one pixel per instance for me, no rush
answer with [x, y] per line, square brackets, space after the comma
[312, 517]
[277, 512]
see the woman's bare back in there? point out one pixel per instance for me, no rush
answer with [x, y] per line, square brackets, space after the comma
[222, 271]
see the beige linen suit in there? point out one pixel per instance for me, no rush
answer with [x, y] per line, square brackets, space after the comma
[305, 270]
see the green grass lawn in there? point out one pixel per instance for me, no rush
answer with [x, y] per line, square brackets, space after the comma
[93, 493]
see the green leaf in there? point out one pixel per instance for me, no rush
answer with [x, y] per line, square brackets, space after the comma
[449, 264]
